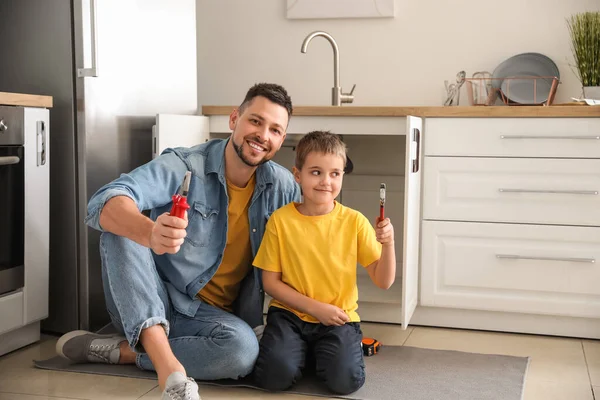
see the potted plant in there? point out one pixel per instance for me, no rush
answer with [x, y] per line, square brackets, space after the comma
[584, 29]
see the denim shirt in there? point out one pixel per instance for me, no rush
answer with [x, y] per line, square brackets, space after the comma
[152, 186]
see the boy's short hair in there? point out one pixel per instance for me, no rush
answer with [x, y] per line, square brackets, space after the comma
[321, 142]
[275, 93]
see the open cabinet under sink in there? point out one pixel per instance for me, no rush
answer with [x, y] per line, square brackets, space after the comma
[383, 150]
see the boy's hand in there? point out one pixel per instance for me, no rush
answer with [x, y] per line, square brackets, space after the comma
[328, 314]
[384, 230]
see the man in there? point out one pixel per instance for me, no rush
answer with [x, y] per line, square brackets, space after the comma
[183, 291]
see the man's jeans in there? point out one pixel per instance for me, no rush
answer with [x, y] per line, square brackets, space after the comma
[214, 344]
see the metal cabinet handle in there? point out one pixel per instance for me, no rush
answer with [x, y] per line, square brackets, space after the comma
[41, 143]
[587, 192]
[9, 160]
[417, 139]
[93, 71]
[567, 259]
[584, 137]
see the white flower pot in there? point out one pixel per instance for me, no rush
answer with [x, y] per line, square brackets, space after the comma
[591, 92]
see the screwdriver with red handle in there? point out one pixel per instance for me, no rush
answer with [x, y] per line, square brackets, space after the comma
[180, 205]
[382, 201]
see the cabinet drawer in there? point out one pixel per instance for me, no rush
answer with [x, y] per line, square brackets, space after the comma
[536, 269]
[11, 311]
[543, 191]
[513, 137]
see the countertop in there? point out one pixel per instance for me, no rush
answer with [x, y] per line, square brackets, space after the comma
[431, 112]
[25, 100]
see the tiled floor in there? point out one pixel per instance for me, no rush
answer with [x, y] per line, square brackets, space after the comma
[560, 368]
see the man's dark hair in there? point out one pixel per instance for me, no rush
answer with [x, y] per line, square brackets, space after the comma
[275, 93]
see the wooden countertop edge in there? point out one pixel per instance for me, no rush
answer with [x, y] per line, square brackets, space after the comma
[25, 100]
[450, 112]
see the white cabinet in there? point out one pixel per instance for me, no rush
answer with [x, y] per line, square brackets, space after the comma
[533, 269]
[11, 310]
[511, 224]
[513, 137]
[383, 149]
[37, 213]
[510, 216]
[172, 130]
[21, 310]
[519, 190]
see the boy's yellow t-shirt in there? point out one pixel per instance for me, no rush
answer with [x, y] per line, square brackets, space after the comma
[317, 255]
[223, 288]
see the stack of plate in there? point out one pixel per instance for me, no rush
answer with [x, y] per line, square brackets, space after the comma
[526, 91]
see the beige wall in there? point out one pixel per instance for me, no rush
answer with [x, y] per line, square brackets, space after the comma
[394, 61]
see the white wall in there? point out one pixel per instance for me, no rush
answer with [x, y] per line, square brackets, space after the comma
[393, 61]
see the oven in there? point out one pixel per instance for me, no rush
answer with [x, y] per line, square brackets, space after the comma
[12, 199]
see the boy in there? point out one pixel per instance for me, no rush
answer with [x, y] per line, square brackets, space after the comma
[308, 256]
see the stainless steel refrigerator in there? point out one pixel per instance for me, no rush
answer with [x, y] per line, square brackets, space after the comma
[110, 66]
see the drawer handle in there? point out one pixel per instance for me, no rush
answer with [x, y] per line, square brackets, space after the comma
[568, 259]
[549, 137]
[9, 160]
[588, 192]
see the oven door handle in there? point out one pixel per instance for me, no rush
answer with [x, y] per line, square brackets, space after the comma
[9, 160]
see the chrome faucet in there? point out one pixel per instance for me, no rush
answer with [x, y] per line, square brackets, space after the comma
[337, 97]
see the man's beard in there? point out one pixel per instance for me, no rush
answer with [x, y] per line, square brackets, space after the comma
[240, 153]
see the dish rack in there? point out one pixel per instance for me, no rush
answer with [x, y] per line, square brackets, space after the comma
[486, 91]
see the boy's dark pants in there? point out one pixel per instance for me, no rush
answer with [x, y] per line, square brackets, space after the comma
[287, 341]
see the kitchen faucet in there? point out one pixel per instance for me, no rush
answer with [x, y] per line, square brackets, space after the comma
[337, 97]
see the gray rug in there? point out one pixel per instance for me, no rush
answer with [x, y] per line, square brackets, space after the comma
[395, 373]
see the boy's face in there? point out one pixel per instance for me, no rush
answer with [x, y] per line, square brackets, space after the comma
[320, 178]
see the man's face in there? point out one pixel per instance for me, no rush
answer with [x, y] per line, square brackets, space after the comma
[259, 131]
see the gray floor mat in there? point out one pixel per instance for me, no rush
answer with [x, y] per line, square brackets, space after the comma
[395, 373]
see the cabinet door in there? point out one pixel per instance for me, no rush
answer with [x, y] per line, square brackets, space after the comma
[412, 216]
[178, 131]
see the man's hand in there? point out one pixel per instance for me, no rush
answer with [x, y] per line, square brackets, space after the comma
[167, 234]
[328, 314]
[384, 231]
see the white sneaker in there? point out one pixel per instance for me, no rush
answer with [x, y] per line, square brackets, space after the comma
[180, 387]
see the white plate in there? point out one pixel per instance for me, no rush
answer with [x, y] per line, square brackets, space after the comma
[589, 102]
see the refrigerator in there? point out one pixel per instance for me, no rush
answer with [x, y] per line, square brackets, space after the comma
[111, 66]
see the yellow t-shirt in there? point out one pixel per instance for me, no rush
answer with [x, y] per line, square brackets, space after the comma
[223, 288]
[317, 255]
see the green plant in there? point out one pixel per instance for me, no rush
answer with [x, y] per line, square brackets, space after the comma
[584, 29]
